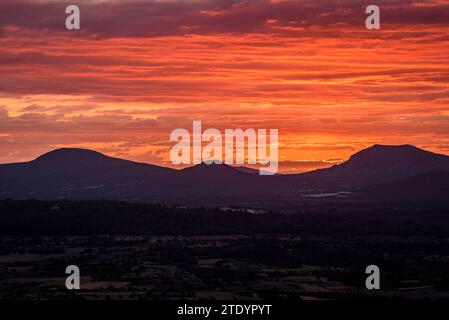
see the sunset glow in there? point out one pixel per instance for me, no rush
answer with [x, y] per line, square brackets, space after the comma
[139, 69]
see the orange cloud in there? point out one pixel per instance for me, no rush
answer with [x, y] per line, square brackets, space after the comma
[330, 90]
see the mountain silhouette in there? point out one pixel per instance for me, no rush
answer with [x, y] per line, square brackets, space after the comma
[212, 170]
[80, 173]
[73, 169]
[215, 180]
[381, 163]
[74, 159]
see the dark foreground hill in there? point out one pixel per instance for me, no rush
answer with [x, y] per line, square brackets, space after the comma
[421, 187]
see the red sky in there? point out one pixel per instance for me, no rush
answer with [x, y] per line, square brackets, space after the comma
[139, 69]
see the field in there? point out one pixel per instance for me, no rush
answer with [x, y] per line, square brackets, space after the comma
[131, 251]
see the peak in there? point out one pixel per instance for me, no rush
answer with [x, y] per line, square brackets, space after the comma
[69, 153]
[72, 157]
[388, 154]
[392, 147]
[73, 151]
[379, 149]
[213, 168]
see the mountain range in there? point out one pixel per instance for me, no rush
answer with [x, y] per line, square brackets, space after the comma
[382, 172]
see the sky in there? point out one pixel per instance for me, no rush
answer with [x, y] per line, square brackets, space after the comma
[136, 70]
